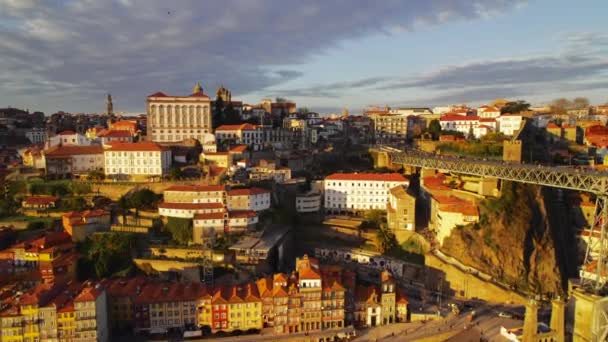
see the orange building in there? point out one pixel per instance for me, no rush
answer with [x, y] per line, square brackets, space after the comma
[82, 224]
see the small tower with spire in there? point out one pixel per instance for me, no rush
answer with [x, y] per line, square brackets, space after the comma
[197, 88]
[109, 105]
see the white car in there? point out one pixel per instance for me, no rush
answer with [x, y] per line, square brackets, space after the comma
[505, 314]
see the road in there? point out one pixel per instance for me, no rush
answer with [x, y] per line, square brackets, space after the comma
[487, 324]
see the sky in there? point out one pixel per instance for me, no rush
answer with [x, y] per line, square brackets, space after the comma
[323, 54]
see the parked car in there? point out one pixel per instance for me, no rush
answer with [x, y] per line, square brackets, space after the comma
[505, 314]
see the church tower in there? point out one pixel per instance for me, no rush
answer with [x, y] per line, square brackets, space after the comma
[197, 88]
[109, 106]
[224, 94]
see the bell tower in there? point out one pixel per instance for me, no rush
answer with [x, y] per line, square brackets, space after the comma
[109, 105]
[197, 88]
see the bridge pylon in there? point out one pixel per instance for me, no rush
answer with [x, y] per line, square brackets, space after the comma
[594, 272]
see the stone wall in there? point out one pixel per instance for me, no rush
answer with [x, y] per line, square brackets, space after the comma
[465, 285]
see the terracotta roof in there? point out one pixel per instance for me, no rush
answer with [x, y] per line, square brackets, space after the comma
[210, 216]
[41, 199]
[242, 214]
[87, 213]
[138, 146]
[190, 206]
[456, 117]
[245, 126]
[196, 188]
[239, 148]
[67, 133]
[70, 150]
[158, 94]
[125, 287]
[378, 177]
[115, 133]
[248, 192]
[308, 273]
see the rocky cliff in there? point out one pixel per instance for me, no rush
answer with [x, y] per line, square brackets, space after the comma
[524, 239]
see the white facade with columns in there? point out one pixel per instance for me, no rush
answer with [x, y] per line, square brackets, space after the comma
[176, 118]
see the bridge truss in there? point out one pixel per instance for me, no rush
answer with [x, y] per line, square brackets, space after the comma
[594, 268]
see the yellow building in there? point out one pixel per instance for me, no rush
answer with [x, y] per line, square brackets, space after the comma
[401, 212]
[195, 194]
[10, 324]
[66, 321]
[220, 159]
[387, 298]
[204, 311]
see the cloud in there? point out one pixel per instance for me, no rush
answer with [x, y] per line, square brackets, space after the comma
[84, 48]
[508, 72]
[332, 90]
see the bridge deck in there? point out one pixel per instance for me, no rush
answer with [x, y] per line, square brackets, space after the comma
[559, 177]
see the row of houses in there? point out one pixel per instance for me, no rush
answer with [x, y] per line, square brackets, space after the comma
[312, 298]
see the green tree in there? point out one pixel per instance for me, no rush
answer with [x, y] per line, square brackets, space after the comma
[515, 107]
[471, 135]
[73, 203]
[105, 254]
[180, 229]
[560, 106]
[231, 116]
[435, 128]
[176, 173]
[386, 239]
[374, 218]
[143, 199]
[78, 188]
[95, 175]
[280, 100]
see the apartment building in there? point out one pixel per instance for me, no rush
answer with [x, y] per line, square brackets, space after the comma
[195, 194]
[68, 161]
[357, 192]
[189, 210]
[401, 212]
[256, 199]
[82, 224]
[137, 160]
[91, 311]
[389, 128]
[176, 118]
[509, 124]
[243, 134]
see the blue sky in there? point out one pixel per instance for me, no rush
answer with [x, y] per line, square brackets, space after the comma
[324, 55]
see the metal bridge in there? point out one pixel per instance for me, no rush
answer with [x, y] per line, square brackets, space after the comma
[585, 180]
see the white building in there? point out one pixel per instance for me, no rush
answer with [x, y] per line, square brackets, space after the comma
[67, 160]
[255, 199]
[310, 202]
[509, 124]
[36, 135]
[207, 226]
[189, 210]
[176, 118]
[137, 159]
[460, 123]
[450, 212]
[244, 134]
[350, 192]
[410, 111]
[488, 112]
[68, 138]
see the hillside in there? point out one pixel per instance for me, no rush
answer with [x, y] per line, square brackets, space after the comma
[521, 240]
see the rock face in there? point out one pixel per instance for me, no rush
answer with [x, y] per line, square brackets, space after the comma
[524, 239]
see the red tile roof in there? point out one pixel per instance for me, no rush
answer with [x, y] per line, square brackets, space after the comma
[210, 216]
[67, 133]
[158, 94]
[138, 146]
[377, 177]
[239, 148]
[456, 117]
[71, 150]
[40, 200]
[87, 213]
[115, 133]
[308, 273]
[242, 214]
[190, 206]
[196, 188]
[241, 127]
[248, 192]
